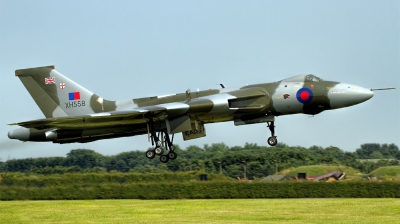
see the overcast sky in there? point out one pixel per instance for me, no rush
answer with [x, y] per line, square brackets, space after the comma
[131, 49]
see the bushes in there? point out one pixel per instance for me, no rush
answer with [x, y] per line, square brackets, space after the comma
[17, 179]
[203, 190]
[15, 186]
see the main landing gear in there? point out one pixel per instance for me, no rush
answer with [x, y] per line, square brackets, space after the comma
[272, 141]
[159, 143]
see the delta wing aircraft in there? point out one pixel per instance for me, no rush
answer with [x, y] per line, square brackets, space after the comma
[74, 114]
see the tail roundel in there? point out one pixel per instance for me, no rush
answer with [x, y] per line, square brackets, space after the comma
[56, 95]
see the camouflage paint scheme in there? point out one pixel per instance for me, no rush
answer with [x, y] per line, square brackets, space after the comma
[74, 114]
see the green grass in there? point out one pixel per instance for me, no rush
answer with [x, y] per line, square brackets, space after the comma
[387, 171]
[203, 211]
[317, 170]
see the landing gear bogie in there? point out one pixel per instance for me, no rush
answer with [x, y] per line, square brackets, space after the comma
[158, 138]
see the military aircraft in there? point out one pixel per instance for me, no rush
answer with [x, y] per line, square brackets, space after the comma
[74, 114]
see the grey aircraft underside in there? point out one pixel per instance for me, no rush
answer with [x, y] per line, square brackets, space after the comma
[74, 114]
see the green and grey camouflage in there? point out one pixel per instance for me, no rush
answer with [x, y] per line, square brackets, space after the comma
[74, 114]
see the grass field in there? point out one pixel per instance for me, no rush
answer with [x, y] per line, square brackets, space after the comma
[203, 211]
[387, 171]
[316, 170]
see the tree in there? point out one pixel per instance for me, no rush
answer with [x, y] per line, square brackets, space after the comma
[260, 160]
[121, 166]
[392, 150]
[73, 169]
[366, 149]
[195, 152]
[376, 155]
[84, 158]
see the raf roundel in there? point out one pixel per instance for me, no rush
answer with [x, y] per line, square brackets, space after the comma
[304, 95]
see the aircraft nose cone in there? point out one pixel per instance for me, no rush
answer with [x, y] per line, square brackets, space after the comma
[345, 95]
[360, 94]
[366, 95]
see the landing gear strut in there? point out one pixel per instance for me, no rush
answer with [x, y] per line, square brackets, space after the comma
[272, 141]
[155, 140]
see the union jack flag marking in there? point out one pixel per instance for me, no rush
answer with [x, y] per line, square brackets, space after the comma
[62, 85]
[49, 80]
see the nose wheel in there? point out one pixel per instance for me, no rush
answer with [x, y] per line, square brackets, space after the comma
[272, 141]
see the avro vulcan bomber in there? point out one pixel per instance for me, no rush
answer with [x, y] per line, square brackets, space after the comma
[74, 114]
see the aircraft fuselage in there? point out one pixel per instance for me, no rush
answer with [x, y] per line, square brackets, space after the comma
[74, 114]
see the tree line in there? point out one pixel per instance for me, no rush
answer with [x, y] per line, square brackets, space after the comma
[215, 158]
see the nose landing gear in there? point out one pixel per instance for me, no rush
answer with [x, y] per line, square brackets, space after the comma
[272, 141]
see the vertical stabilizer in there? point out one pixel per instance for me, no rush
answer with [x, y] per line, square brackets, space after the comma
[58, 96]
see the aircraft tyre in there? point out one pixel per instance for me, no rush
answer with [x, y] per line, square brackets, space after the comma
[164, 159]
[272, 141]
[150, 154]
[172, 155]
[158, 150]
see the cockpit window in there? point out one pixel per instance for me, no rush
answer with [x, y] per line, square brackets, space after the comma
[316, 79]
[303, 78]
[313, 78]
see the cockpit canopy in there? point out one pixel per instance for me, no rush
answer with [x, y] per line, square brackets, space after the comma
[303, 78]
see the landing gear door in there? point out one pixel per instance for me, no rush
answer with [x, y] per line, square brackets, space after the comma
[253, 120]
[197, 131]
[179, 124]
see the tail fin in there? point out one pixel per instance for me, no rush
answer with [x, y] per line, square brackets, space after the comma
[58, 96]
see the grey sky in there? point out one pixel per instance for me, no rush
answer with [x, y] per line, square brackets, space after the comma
[130, 49]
